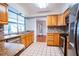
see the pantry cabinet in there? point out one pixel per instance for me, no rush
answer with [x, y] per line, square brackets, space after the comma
[53, 39]
[3, 13]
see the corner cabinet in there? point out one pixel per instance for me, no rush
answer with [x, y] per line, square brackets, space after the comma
[3, 13]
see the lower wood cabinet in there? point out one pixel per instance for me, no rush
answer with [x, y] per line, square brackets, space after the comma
[50, 42]
[53, 39]
[27, 38]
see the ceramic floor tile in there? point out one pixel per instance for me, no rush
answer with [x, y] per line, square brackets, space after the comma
[41, 49]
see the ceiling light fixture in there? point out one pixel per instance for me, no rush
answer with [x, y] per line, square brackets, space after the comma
[41, 5]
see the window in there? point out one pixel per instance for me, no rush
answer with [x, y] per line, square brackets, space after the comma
[15, 23]
[6, 29]
[12, 28]
[20, 23]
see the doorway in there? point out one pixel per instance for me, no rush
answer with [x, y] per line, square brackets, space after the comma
[41, 30]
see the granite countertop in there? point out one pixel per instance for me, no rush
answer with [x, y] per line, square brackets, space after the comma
[13, 36]
[12, 49]
[59, 32]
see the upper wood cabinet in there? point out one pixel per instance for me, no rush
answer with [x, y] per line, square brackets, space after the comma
[57, 20]
[52, 20]
[49, 20]
[3, 13]
[61, 20]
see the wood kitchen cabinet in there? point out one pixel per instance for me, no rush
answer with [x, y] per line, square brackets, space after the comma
[49, 20]
[23, 39]
[56, 39]
[57, 20]
[52, 20]
[49, 39]
[27, 39]
[53, 39]
[3, 13]
[61, 20]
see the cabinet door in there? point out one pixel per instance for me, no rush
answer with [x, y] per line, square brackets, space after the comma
[54, 20]
[49, 20]
[3, 14]
[50, 42]
[23, 39]
[50, 39]
[56, 39]
[61, 20]
[49, 36]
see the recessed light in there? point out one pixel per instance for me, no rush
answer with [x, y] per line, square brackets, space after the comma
[41, 5]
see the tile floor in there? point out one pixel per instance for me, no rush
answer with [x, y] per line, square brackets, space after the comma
[41, 49]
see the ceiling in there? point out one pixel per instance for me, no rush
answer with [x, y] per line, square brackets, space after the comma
[53, 8]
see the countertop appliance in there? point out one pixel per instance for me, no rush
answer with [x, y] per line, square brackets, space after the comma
[74, 31]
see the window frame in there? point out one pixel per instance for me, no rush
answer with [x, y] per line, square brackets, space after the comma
[17, 13]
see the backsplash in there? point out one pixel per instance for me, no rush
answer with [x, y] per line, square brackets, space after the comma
[55, 30]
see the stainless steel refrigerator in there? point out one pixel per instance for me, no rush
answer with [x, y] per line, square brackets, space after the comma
[73, 49]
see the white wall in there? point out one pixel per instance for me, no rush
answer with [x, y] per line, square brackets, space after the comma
[31, 25]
